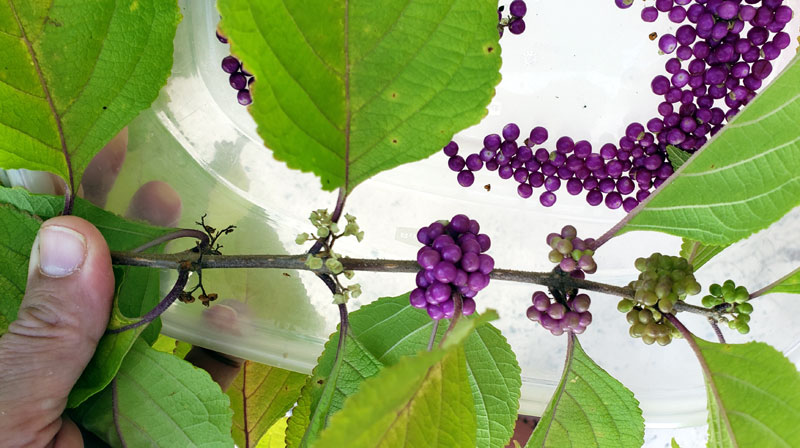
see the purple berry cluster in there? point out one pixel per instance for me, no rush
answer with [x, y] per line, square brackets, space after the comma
[573, 255]
[721, 59]
[610, 176]
[556, 317]
[240, 79]
[514, 22]
[453, 263]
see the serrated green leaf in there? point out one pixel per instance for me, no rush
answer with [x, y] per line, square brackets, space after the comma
[162, 401]
[357, 365]
[423, 400]
[789, 284]
[677, 156]
[260, 396]
[589, 408]
[698, 253]
[381, 84]
[75, 73]
[119, 233]
[742, 181]
[274, 438]
[753, 395]
[391, 328]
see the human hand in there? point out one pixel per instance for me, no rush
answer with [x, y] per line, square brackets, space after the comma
[66, 308]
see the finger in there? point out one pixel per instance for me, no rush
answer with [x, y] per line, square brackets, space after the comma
[222, 368]
[102, 171]
[60, 320]
[157, 203]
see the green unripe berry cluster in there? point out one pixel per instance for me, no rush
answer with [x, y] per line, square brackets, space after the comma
[648, 323]
[737, 299]
[663, 281]
[572, 254]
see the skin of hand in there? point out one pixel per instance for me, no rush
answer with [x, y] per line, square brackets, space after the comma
[66, 309]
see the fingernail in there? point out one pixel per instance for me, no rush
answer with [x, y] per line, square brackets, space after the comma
[61, 251]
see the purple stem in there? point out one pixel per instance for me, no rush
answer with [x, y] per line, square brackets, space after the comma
[183, 277]
[115, 412]
[777, 282]
[717, 331]
[181, 233]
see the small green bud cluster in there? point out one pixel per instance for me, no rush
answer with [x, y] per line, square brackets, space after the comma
[648, 323]
[663, 281]
[327, 232]
[573, 254]
[737, 299]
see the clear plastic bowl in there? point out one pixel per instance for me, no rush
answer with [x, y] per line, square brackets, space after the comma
[582, 71]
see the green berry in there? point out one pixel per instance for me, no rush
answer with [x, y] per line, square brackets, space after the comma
[740, 294]
[555, 256]
[554, 242]
[564, 246]
[313, 262]
[715, 289]
[649, 299]
[743, 328]
[334, 265]
[744, 308]
[665, 305]
[663, 288]
[656, 314]
[632, 317]
[693, 288]
[651, 330]
[625, 305]
[709, 301]
[323, 232]
[664, 340]
[645, 316]
[677, 275]
[647, 339]
[728, 290]
[576, 254]
[640, 264]
[743, 318]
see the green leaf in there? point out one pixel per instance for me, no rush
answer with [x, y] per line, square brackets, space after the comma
[131, 295]
[139, 291]
[674, 444]
[260, 396]
[172, 346]
[357, 365]
[107, 358]
[18, 230]
[423, 400]
[74, 74]
[753, 395]
[789, 284]
[162, 401]
[390, 328]
[589, 408]
[746, 178]
[381, 84]
[698, 253]
[274, 438]
[677, 156]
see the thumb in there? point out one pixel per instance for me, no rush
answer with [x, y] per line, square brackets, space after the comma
[60, 320]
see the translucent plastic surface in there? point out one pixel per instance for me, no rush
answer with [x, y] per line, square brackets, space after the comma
[582, 70]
